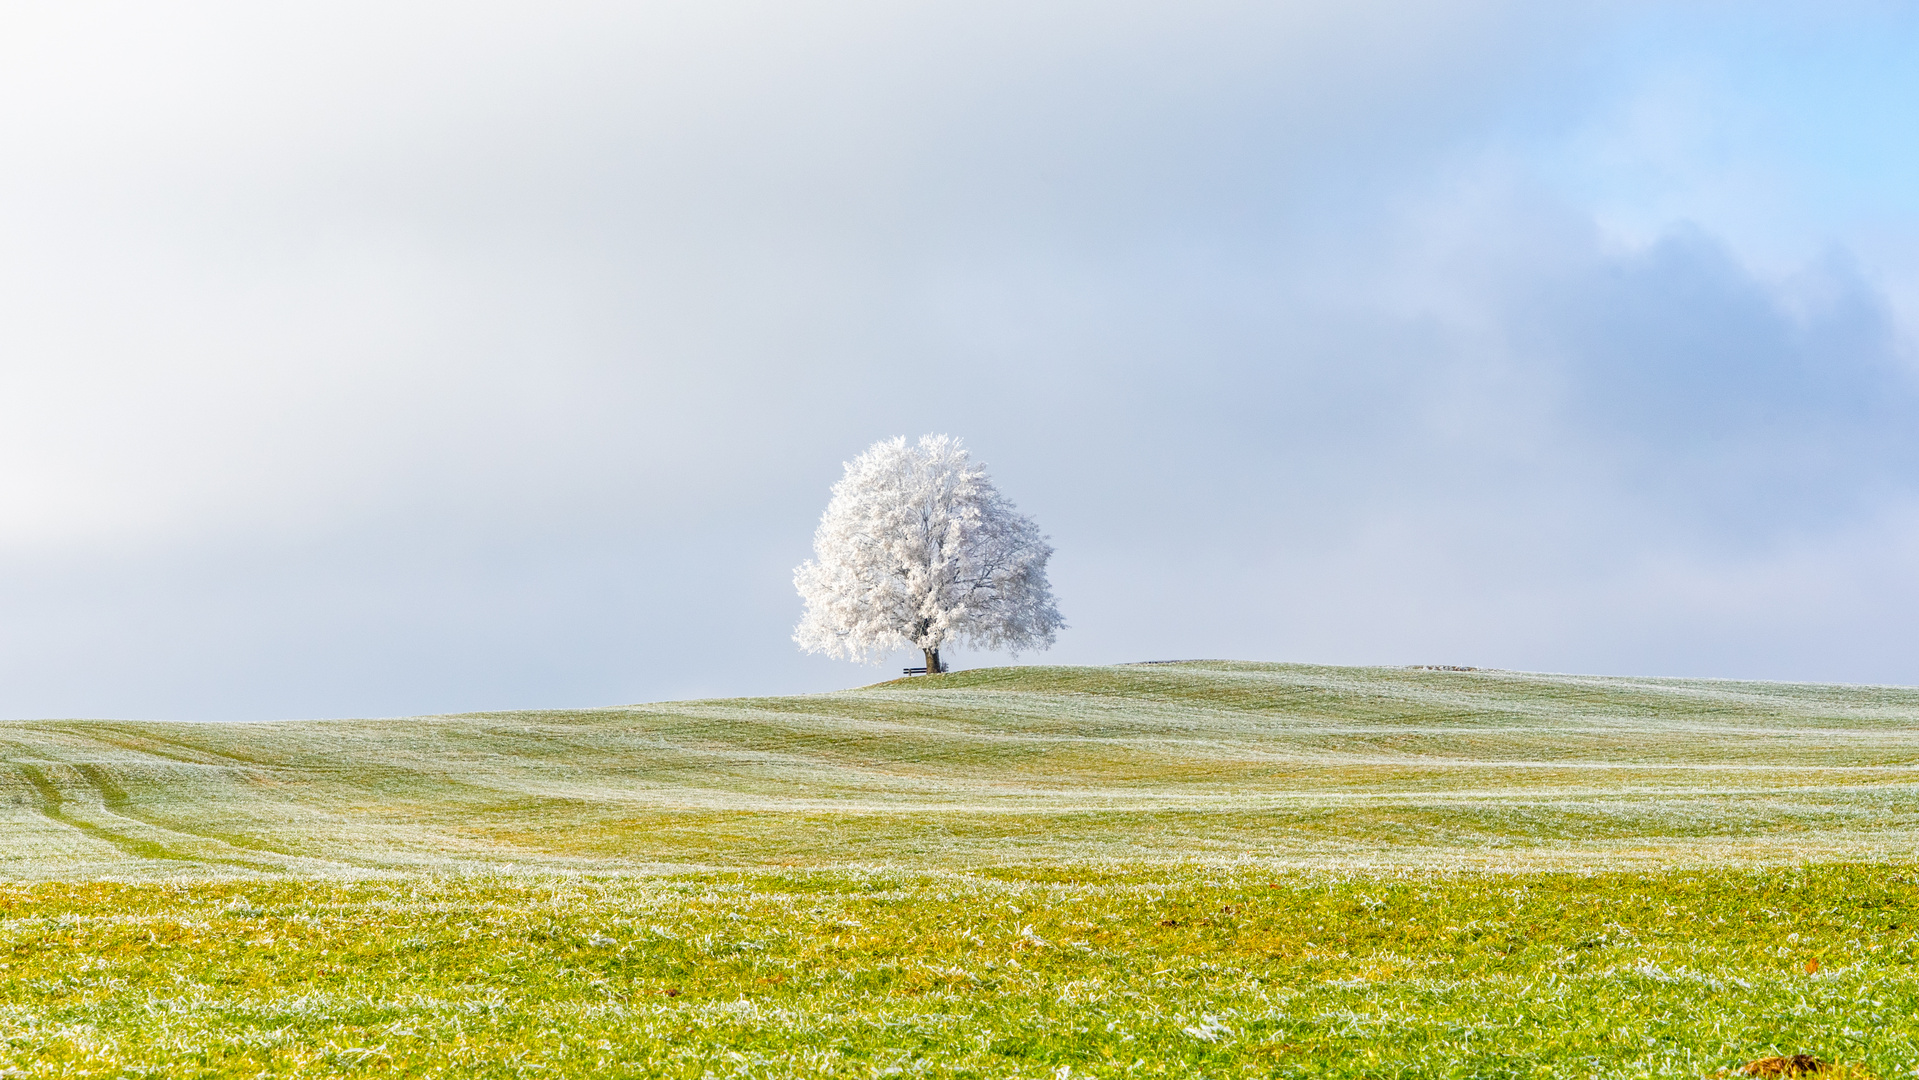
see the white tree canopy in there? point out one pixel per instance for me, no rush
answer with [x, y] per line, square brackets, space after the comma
[918, 549]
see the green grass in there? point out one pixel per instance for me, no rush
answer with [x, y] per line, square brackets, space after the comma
[1675, 973]
[1200, 869]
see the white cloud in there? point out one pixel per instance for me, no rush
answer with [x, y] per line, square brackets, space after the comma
[373, 358]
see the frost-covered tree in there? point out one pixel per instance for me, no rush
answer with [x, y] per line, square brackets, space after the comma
[918, 549]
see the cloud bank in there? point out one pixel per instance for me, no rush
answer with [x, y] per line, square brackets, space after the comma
[364, 359]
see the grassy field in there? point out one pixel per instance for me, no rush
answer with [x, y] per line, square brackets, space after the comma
[1196, 869]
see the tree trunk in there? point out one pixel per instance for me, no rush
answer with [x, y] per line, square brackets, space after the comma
[932, 661]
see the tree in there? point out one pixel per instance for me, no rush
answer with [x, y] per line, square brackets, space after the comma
[918, 549]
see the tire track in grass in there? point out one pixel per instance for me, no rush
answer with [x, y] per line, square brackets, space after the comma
[167, 746]
[51, 800]
[52, 803]
[149, 747]
[116, 800]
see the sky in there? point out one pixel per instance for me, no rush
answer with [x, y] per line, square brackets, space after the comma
[380, 359]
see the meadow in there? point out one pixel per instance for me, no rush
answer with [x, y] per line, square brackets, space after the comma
[1198, 869]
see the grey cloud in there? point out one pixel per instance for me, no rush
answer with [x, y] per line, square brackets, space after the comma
[375, 359]
[1747, 407]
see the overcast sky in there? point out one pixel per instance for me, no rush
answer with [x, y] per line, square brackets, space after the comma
[391, 358]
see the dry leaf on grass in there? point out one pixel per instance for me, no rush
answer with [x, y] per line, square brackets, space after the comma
[1796, 1065]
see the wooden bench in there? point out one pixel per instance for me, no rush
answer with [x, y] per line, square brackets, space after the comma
[913, 671]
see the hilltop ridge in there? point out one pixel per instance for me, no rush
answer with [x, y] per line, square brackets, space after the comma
[1206, 760]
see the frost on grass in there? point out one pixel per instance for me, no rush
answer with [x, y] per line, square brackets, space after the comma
[1277, 767]
[1191, 971]
[1189, 869]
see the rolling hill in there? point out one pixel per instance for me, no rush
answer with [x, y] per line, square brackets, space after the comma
[1214, 762]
